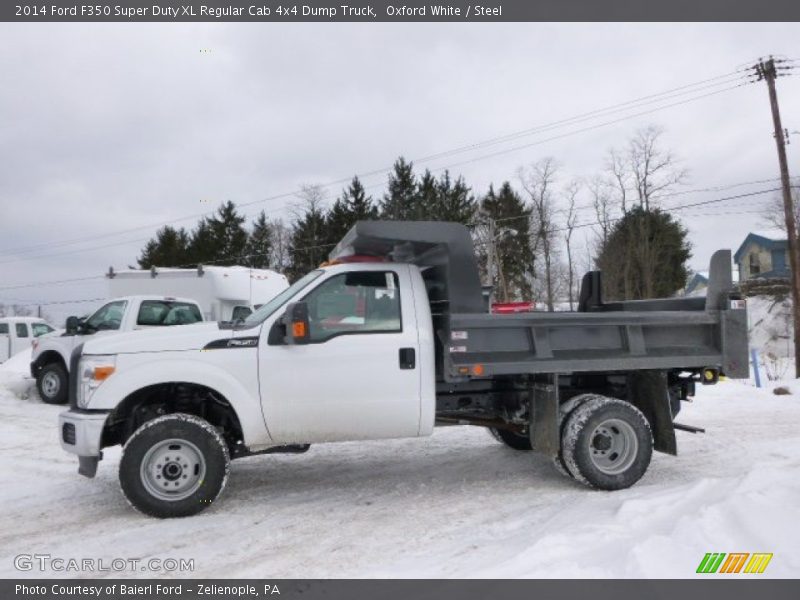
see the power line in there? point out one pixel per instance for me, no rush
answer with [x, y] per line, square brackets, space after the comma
[644, 100]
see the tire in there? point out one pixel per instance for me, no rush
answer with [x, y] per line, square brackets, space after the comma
[565, 410]
[177, 450]
[607, 443]
[52, 383]
[514, 440]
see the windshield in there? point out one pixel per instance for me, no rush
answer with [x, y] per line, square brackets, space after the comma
[270, 307]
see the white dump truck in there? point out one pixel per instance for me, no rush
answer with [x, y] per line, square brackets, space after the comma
[223, 293]
[388, 339]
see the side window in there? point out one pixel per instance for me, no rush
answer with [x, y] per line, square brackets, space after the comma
[41, 329]
[107, 317]
[22, 330]
[359, 302]
[240, 312]
[167, 312]
[3, 328]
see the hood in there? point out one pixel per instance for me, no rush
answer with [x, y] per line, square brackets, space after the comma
[164, 339]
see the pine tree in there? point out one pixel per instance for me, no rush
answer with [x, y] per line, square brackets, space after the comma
[259, 244]
[454, 202]
[644, 256]
[399, 203]
[202, 245]
[352, 206]
[514, 257]
[230, 236]
[427, 197]
[169, 248]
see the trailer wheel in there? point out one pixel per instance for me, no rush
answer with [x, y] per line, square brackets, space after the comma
[514, 440]
[52, 384]
[607, 443]
[174, 466]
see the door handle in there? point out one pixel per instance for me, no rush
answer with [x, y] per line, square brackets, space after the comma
[408, 358]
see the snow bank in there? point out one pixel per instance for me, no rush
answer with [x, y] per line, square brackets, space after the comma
[15, 375]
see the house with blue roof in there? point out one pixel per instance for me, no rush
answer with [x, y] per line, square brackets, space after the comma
[763, 255]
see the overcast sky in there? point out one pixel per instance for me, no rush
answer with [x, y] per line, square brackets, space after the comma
[111, 127]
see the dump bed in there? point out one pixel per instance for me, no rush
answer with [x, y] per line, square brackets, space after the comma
[664, 334]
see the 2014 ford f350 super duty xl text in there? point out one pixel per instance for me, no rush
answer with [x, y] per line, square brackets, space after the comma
[388, 339]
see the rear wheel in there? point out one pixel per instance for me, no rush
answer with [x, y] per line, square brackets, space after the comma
[174, 466]
[52, 384]
[607, 443]
[512, 439]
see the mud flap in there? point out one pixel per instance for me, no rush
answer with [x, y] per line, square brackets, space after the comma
[544, 429]
[648, 391]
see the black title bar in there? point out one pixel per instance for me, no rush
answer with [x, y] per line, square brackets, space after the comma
[400, 11]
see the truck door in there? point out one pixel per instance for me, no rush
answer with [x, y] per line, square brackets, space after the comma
[21, 341]
[358, 376]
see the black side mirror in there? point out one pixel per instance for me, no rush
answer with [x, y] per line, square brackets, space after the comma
[73, 325]
[295, 319]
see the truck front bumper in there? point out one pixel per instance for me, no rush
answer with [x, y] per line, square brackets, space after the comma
[80, 433]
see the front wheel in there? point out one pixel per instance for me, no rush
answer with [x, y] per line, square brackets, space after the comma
[174, 466]
[52, 384]
[607, 443]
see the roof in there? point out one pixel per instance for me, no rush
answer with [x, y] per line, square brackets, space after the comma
[22, 320]
[771, 240]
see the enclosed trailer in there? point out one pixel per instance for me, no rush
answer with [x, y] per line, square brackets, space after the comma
[223, 293]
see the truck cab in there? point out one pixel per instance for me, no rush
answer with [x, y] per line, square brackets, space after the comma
[50, 358]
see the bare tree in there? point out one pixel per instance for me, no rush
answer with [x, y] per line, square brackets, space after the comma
[538, 180]
[570, 220]
[644, 169]
[601, 191]
[281, 242]
[773, 214]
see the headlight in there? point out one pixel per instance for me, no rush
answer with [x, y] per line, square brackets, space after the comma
[94, 370]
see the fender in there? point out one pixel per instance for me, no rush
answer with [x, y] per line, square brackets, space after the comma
[230, 374]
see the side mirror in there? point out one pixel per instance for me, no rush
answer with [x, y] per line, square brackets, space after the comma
[73, 325]
[296, 321]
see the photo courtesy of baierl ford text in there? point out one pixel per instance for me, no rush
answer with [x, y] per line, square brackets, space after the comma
[408, 300]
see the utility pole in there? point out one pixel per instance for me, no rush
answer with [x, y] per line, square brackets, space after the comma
[767, 71]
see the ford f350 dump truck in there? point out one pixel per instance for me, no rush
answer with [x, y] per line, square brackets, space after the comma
[388, 339]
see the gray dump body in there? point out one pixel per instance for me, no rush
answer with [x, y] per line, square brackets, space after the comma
[669, 334]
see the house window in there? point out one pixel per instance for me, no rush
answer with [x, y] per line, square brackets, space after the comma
[755, 265]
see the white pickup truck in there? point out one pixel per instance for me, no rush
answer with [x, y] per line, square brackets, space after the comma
[390, 338]
[50, 358]
[18, 333]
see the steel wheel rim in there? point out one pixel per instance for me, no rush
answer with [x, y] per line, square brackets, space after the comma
[50, 384]
[613, 446]
[173, 470]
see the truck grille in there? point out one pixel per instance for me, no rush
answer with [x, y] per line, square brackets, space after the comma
[68, 433]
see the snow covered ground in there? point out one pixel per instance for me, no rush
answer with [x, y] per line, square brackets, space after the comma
[457, 504]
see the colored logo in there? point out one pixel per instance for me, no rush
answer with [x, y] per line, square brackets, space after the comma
[735, 562]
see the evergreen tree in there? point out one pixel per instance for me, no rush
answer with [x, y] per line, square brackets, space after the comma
[353, 205]
[399, 203]
[513, 253]
[229, 234]
[169, 248]
[454, 202]
[644, 256]
[427, 197]
[202, 245]
[259, 244]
